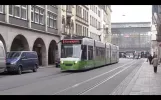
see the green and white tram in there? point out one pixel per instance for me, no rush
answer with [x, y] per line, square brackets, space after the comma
[81, 53]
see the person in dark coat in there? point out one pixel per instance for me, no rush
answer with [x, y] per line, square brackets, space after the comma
[150, 59]
[155, 63]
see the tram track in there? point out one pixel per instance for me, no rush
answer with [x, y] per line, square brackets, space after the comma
[43, 78]
[91, 79]
[57, 75]
[105, 80]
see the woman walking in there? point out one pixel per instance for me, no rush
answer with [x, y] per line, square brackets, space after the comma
[150, 59]
[155, 63]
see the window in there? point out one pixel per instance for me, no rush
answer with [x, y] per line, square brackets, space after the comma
[53, 5]
[83, 14]
[32, 13]
[87, 31]
[17, 10]
[96, 23]
[55, 21]
[81, 30]
[91, 7]
[90, 52]
[96, 10]
[51, 20]
[76, 10]
[99, 25]
[76, 28]
[24, 12]
[1, 8]
[99, 13]
[69, 8]
[90, 20]
[41, 16]
[36, 15]
[84, 52]
[93, 21]
[87, 16]
[80, 11]
[11, 9]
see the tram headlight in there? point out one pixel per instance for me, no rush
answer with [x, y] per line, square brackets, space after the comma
[76, 61]
[61, 61]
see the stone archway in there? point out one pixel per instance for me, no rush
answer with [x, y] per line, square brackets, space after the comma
[52, 52]
[19, 43]
[40, 48]
[4, 43]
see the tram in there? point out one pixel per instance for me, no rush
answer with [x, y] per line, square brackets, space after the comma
[80, 53]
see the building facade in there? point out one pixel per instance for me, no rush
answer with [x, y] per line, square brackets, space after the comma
[132, 36]
[87, 20]
[95, 22]
[74, 20]
[31, 27]
[106, 23]
[156, 21]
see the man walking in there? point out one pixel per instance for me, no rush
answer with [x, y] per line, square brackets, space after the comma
[155, 63]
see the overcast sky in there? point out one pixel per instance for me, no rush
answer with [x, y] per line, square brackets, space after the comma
[131, 13]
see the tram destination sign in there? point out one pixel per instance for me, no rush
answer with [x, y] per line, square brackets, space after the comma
[71, 41]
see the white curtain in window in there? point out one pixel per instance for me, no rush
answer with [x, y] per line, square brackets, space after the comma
[51, 21]
[11, 9]
[17, 10]
[1, 8]
[55, 21]
[24, 12]
[32, 16]
[41, 16]
[48, 20]
[36, 15]
[32, 13]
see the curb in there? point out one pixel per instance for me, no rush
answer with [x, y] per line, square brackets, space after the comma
[123, 85]
[47, 67]
[132, 82]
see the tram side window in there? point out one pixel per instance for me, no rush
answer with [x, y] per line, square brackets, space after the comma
[90, 52]
[97, 51]
[103, 52]
[107, 52]
[84, 52]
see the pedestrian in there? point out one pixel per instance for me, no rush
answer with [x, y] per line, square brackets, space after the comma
[155, 63]
[150, 59]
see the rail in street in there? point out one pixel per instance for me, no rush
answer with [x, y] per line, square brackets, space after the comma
[51, 81]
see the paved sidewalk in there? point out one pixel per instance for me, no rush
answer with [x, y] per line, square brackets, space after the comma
[145, 82]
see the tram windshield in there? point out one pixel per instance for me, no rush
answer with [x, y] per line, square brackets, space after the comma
[70, 50]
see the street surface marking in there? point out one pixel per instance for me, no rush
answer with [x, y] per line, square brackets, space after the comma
[104, 80]
[91, 79]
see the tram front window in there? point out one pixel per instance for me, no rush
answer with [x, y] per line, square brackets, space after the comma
[70, 51]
